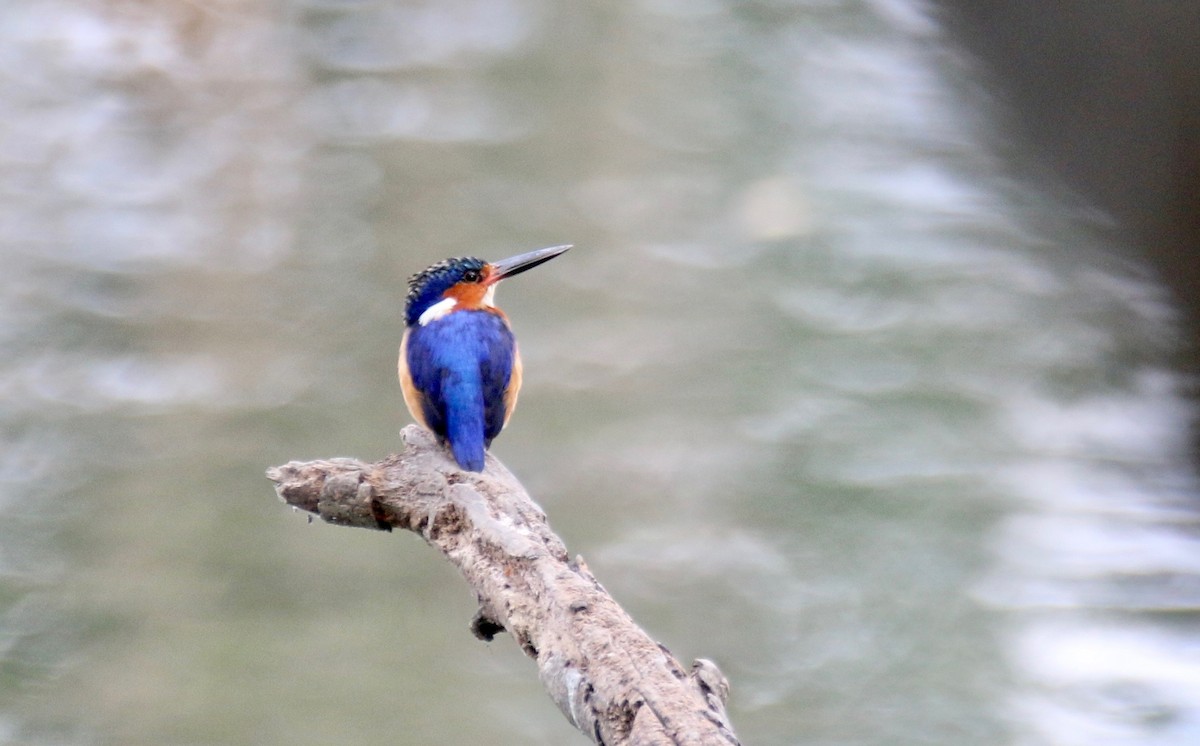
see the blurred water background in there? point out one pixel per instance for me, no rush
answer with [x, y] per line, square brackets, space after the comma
[829, 390]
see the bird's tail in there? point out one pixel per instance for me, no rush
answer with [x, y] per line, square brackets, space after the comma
[464, 420]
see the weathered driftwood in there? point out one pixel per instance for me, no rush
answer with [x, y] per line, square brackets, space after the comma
[608, 677]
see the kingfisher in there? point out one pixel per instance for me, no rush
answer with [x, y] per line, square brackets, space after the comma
[459, 364]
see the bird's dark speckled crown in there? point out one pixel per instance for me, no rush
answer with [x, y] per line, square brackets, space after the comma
[428, 286]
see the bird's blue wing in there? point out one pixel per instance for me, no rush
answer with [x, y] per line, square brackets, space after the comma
[460, 365]
[426, 371]
[496, 369]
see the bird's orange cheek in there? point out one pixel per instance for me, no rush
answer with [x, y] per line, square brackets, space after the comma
[467, 295]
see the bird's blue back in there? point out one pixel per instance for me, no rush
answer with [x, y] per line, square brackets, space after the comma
[462, 365]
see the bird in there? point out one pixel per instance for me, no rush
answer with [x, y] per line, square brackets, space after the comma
[460, 369]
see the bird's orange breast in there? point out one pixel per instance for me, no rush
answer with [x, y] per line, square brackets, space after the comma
[413, 398]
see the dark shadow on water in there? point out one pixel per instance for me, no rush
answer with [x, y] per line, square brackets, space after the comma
[1108, 96]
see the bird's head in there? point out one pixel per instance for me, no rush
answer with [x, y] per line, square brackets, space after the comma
[464, 283]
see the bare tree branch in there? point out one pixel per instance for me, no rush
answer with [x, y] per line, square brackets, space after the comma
[608, 677]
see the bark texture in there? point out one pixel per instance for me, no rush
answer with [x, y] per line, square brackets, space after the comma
[608, 677]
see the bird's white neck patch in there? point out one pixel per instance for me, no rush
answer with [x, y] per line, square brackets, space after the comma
[489, 297]
[437, 311]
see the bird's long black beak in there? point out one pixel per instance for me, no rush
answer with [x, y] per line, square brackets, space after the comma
[515, 265]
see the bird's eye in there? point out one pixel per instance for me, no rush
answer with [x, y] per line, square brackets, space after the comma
[471, 275]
